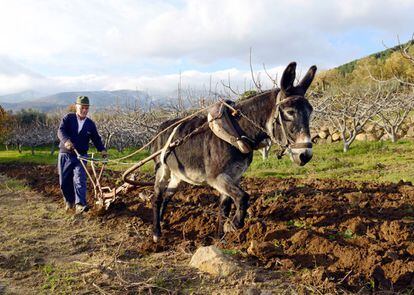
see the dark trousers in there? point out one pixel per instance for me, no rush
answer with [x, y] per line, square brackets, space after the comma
[72, 179]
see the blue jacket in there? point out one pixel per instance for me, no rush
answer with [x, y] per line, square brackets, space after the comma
[68, 129]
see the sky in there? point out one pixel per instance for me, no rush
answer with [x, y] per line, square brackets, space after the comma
[52, 46]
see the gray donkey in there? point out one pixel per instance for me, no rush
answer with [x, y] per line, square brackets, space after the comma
[281, 115]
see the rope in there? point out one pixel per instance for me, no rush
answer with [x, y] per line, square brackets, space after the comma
[235, 111]
[118, 160]
[163, 131]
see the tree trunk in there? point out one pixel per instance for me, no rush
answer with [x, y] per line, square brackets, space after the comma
[265, 152]
[33, 150]
[346, 147]
[52, 149]
[19, 148]
[393, 135]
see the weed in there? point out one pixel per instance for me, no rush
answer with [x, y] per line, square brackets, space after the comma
[160, 282]
[230, 251]
[348, 234]
[275, 196]
[279, 244]
[297, 223]
[56, 278]
[331, 237]
[14, 185]
[372, 284]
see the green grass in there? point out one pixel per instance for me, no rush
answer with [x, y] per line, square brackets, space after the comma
[366, 161]
[56, 278]
[42, 156]
[13, 185]
[230, 252]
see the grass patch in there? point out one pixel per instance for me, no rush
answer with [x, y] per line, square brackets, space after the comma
[58, 279]
[297, 224]
[43, 155]
[13, 185]
[231, 252]
[365, 161]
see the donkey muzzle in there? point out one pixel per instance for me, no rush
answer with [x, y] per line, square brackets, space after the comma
[301, 153]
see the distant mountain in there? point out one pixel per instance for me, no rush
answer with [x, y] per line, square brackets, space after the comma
[21, 96]
[99, 100]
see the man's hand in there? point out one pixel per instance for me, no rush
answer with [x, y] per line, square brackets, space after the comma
[104, 154]
[69, 145]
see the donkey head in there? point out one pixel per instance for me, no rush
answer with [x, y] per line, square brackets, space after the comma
[291, 123]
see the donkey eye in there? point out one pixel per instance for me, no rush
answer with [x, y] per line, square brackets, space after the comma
[290, 114]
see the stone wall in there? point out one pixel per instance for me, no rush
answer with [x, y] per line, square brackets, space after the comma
[371, 132]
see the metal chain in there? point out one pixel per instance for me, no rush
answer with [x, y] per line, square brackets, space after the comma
[182, 140]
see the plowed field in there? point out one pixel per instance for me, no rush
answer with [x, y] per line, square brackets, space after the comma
[337, 235]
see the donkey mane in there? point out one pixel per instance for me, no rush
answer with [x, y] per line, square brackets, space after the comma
[263, 104]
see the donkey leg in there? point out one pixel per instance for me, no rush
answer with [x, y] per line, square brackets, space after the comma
[168, 194]
[225, 185]
[224, 212]
[161, 180]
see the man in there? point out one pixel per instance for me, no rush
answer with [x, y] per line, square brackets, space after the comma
[75, 132]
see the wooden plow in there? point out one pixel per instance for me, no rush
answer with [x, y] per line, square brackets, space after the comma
[104, 196]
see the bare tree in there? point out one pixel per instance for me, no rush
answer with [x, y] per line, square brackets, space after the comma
[122, 128]
[404, 49]
[266, 149]
[393, 113]
[348, 110]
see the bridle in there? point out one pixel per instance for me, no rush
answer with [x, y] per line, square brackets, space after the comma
[287, 143]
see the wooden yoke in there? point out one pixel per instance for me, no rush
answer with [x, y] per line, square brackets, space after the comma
[225, 126]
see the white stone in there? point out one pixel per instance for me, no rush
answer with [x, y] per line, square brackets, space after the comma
[336, 136]
[410, 132]
[361, 137]
[211, 260]
[323, 134]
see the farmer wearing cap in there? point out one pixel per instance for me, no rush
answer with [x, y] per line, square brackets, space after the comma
[75, 132]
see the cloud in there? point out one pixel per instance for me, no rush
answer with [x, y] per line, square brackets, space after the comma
[138, 43]
[202, 31]
[239, 80]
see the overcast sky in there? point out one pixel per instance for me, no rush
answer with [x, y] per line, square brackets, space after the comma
[124, 44]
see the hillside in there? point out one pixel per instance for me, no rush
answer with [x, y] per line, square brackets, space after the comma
[380, 56]
[99, 100]
[383, 65]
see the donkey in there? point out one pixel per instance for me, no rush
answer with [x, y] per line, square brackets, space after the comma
[281, 115]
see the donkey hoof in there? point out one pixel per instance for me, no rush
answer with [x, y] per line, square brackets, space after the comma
[229, 227]
[155, 238]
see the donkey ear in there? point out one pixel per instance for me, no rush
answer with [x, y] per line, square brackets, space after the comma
[307, 80]
[288, 77]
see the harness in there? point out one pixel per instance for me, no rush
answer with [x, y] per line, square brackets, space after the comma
[287, 143]
[225, 127]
